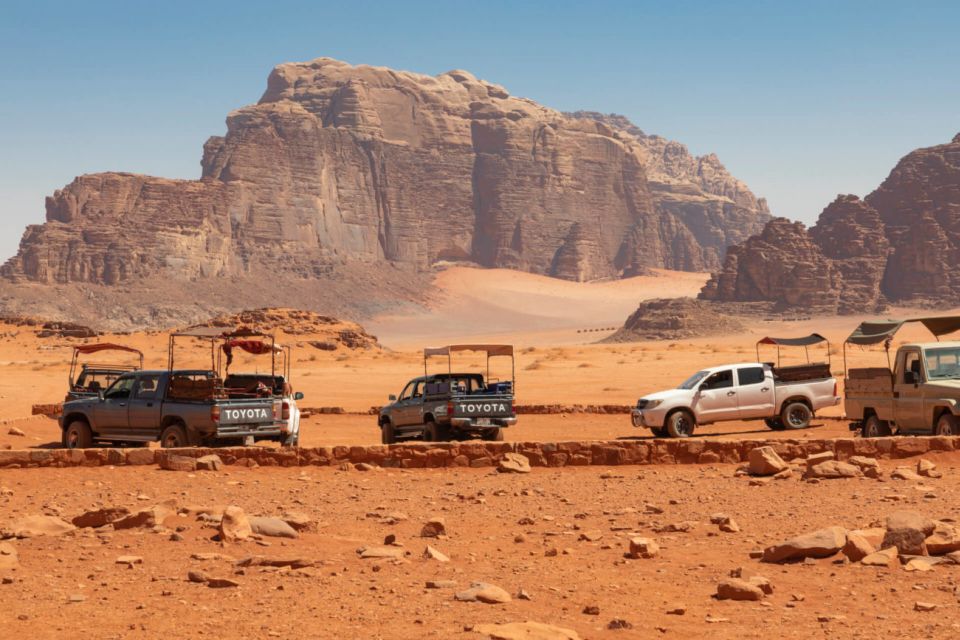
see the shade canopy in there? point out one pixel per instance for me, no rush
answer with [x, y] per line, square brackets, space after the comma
[804, 341]
[213, 333]
[105, 346]
[876, 331]
[489, 349]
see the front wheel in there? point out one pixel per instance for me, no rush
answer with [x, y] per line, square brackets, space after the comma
[874, 427]
[796, 415]
[680, 424]
[77, 435]
[946, 425]
[387, 433]
[174, 437]
[774, 423]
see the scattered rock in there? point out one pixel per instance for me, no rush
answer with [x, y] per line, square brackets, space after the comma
[147, 518]
[434, 528]
[441, 584]
[591, 610]
[221, 583]
[881, 558]
[944, 539]
[833, 469]
[762, 583]
[619, 623]
[432, 554]
[100, 517]
[8, 556]
[174, 462]
[924, 606]
[234, 525]
[210, 462]
[764, 461]
[907, 531]
[735, 589]
[905, 473]
[819, 544]
[513, 463]
[263, 561]
[299, 521]
[36, 526]
[857, 547]
[272, 527]
[927, 469]
[367, 553]
[643, 548]
[484, 592]
[16, 432]
[129, 560]
[817, 458]
[864, 463]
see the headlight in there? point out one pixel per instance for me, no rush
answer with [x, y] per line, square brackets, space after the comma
[653, 404]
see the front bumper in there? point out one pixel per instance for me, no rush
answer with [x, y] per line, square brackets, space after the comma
[478, 423]
[647, 419]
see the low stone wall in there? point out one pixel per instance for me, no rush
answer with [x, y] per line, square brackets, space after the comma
[485, 454]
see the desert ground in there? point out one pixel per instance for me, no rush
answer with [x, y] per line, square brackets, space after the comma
[554, 539]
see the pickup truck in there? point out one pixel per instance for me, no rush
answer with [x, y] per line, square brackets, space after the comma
[239, 385]
[784, 397]
[439, 407]
[179, 408]
[920, 395]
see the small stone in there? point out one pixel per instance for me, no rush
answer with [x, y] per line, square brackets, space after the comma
[367, 553]
[272, 527]
[817, 458]
[100, 517]
[441, 584]
[881, 558]
[221, 583]
[618, 623]
[927, 469]
[857, 547]
[196, 576]
[16, 432]
[643, 548]
[513, 463]
[864, 463]
[129, 560]
[591, 610]
[484, 592]
[523, 594]
[764, 461]
[234, 525]
[432, 554]
[832, 469]
[677, 611]
[210, 462]
[174, 462]
[434, 528]
[924, 606]
[36, 526]
[76, 598]
[762, 583]
[735, 589]
[591, 536]
[525, 631]
[905, 473]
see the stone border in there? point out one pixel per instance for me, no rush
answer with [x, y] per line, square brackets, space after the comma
[485, 454]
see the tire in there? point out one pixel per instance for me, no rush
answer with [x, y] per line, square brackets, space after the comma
[874, 427]
[433, 432]
[174, 437]
[796, 415]
[77, 435]
[659, 432]
[291, 441]
[774, 423]
[493, 435]
[680, 424]
[387, 434]
[946, 425]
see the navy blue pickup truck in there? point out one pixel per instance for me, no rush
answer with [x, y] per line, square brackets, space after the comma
[180, 408]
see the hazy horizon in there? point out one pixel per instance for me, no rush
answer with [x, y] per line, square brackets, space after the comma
[801, 103]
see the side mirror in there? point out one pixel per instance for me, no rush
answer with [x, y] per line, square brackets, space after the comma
[392, 398]
[298, 395]
[100, 395]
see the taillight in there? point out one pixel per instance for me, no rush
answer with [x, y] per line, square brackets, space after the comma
[277, 411]
[835, 388]
[449, 408]
[286, 411]
[215, 413]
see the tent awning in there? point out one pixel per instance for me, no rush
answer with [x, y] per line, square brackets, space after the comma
[876, 331]
[804, 341]
[490, 349]
[105, 346]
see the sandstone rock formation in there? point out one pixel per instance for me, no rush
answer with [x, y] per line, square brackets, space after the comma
[350, 167]
[900, 243]
[674, 319]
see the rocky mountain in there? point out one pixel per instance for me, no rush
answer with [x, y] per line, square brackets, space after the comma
[343, 169]
[899, 244]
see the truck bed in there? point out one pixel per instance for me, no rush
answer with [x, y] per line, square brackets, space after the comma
[802, 372]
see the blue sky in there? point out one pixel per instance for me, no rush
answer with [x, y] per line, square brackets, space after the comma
[801, 100]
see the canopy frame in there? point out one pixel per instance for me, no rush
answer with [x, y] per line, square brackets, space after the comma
[489, 350]
[871, 332]
[86, 349]
[221, 336]
[804, 341]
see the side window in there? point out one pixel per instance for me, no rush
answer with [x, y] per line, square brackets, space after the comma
[911, 368]
[120, 389]
[417, 390]
[407, 390]
[750, 375]
[719, 380]
[147, 387]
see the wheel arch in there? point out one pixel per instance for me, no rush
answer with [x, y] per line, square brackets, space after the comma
[803, 399]
[674, 410]
[72, 417]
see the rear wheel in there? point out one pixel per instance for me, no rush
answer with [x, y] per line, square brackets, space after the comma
[433, 432]
[387, 434]
[796, 415]
[774, 423]
[680, 424]
[495, 435]
[174, 436]
[946, 425]
[77, 435]
[292, 440]
[874, 427]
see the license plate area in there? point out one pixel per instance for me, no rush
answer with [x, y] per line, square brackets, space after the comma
[484, 422]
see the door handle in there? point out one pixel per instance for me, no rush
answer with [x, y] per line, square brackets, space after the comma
[764, 389]
[731, 393]
[123, 404]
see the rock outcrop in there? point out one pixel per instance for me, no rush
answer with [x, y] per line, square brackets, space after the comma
[674, 319]
[900, 243]
[339, 164]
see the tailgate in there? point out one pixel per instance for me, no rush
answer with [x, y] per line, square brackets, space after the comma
[485, 406]
[247, 412]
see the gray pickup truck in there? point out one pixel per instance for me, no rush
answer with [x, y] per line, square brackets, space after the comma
[450, 405]
[180, 408]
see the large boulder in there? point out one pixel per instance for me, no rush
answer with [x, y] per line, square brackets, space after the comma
[908, 531]
[764, 461]
[234, 525]
[818, 544]
[36, 526]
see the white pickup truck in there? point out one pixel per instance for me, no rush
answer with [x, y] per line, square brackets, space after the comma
[784, 397]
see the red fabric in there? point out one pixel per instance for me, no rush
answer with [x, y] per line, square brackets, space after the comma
[256, 347]
[105, 346]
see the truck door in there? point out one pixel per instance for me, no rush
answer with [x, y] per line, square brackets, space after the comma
[755, 392]
[403, 411]
[145, 404]
[908, 392]
[111, 414]
[717, 398]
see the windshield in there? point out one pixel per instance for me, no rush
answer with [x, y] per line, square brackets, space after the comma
[943, 363]
[693, 380]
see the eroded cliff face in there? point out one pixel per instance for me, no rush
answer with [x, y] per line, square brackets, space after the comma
[900, 243]
[364, 165]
